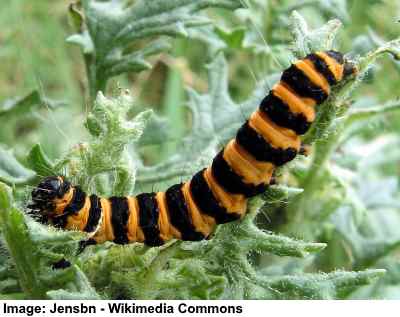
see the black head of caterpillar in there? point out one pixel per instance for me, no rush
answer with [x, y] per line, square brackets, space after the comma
[218, 193]
[47, 195]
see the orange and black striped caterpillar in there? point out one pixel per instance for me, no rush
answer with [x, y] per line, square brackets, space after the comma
[216, 194]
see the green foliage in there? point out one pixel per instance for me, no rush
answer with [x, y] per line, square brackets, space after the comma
[24, 104]
[39, 162]
[111, 132]
[327, 231]
[11, 171]
[108, 29]
[217, 268]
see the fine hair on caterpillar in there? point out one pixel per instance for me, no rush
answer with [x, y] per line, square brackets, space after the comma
[218, 194]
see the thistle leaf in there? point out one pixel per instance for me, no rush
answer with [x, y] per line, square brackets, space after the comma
[112, 26]
[11, 171]
[321, 286]
[40, 163]
[307, 41]
[24, 104]
[106, 152]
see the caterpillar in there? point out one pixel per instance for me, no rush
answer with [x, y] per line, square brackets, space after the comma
[217, 194]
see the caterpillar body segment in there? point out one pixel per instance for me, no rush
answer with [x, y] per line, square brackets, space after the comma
[217, 194]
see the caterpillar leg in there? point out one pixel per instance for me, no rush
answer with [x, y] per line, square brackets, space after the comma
[85, 243]
[61, 265]
[305, 149]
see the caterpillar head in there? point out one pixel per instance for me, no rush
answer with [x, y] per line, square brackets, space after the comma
[48, 196]
[349, 67]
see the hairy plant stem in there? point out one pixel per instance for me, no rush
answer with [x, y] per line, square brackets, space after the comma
[297, 209]
[96, 83]
[156, 266]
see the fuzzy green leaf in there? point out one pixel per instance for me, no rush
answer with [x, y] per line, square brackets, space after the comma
[307, 41]
[11, 171]
[84, 41]
[321, 286]
[107, 152]
[113, 26]
[280, 193]
[233, 38]
[156, 131]
[82, 289]
[40, 163]
[207, 34]
[24, 104]
[5, 198]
